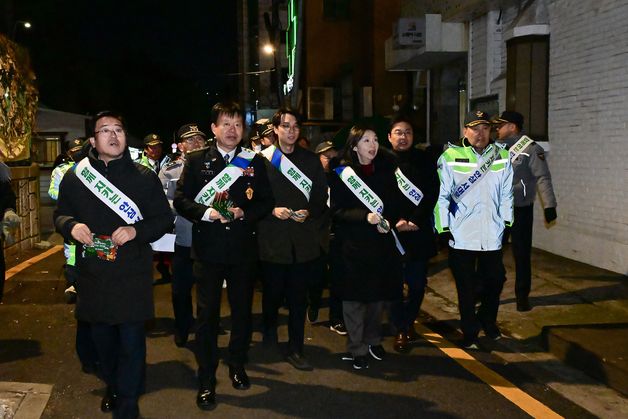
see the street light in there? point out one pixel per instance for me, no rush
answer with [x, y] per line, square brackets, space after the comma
[268, 49]
[25, 24]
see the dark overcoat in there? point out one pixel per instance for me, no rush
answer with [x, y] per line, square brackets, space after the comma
[367, 262]
[288, 241]
[120, 291]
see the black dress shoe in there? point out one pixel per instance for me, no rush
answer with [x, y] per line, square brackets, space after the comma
[239, 379]
[206, 397]
[108, 403]
[523, 304]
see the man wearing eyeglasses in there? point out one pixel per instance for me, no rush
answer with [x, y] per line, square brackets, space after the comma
[190, 138]
[288, 237]
[415, 227]
[223, 190]
[113, 209]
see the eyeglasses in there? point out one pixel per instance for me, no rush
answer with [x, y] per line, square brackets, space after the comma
[289, 127]
[400, 133]
[109, 131]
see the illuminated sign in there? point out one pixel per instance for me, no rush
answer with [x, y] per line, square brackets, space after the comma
[291, 44]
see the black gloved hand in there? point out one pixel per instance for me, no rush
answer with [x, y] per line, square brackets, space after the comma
[550, 215]
[445, 236]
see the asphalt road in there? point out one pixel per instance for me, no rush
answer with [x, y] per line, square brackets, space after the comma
[435, 379]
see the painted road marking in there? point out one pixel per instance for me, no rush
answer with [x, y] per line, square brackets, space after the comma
[504, 387]
[30, 262]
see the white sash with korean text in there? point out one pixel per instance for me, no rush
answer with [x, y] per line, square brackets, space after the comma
[474, 178]
[407, 188]
[289, 170]
[518, 147]
[116, 200]
[227, 176]
[366, 195]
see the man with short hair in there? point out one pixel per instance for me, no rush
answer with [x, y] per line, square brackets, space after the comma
[223, 191]
[190, 138]
[418, 183]
[113, 209]
[530, 170]
[289, 239]
[473, 208]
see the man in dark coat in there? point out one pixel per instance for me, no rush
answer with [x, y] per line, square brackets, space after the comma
[10, 219]
[223, 242]
[113, 209]
[415, 227]
[289, 239]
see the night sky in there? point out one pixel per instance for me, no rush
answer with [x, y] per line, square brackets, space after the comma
[160, 63]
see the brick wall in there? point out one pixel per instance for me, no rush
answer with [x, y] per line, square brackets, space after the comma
[588, 121]
[588, 127]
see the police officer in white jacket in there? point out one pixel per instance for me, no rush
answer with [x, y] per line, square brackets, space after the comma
[474, 206]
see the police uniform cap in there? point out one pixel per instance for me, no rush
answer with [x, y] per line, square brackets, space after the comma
[476, 118]
[152, 139]
[75, 144]
[509, 117]
[323, 147]
[189, 130]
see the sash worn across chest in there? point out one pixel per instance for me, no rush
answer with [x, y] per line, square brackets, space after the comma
[518, 147]
[365, 195]
[484, 165]
[227, 176]
[407, 188]
[115, 199]
[289, 170]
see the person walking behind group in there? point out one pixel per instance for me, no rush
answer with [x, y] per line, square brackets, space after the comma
[473, 208]
[85, 347]
[190, 138]
[114, 208]
[10, 220]
[325, 152]
[530, 170]
[289, 239]
[224, 191]
[365, 208]
[418, 185]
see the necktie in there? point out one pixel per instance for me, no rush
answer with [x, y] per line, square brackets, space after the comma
[226, 159]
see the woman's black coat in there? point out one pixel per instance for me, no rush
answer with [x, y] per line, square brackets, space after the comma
[366, 262]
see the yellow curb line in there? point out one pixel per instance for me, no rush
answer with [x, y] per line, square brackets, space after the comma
[30, 262]
[504, 387]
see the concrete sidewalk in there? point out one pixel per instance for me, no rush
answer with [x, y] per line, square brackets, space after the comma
[579, 314]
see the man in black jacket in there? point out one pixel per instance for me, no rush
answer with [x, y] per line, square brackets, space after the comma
[415, 227]
[113, 209]
[289, 236]
[223, 190]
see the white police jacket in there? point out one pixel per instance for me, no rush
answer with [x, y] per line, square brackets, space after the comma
[478, 220]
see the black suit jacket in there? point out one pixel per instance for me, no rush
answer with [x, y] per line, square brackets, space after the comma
[215, 242]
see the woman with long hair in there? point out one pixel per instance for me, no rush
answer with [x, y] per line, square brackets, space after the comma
[365, 207]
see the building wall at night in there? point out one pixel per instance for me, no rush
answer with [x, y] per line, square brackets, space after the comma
[587, 120]
[338, 51]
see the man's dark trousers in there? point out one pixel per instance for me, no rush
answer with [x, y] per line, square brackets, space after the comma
[210, 278]
[291, 281]
[182, 283]
[122, 355]
[468, 267]
[521, 237]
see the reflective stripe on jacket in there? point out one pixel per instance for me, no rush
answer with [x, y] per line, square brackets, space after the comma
[485, 209]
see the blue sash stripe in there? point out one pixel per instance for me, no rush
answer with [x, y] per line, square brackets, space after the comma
[276, 158]
[339, 169]
[240, 162]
